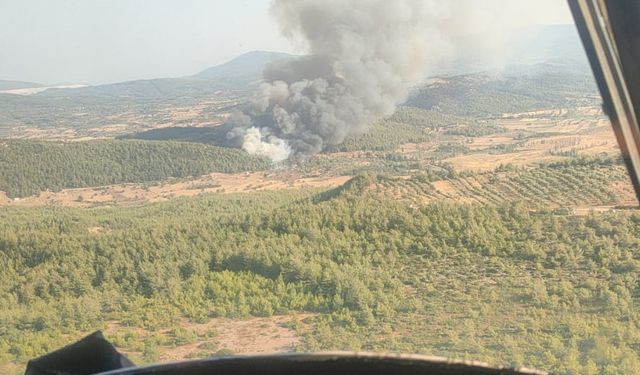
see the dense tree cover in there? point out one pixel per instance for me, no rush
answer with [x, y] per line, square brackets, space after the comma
[384, 136]
[424, 118]
[406, 125]
[216, 135]
[29, 167]
[506, 284]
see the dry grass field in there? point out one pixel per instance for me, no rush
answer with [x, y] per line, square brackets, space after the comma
[137, 194]
[545, 137]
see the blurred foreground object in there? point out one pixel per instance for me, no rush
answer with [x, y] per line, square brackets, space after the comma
[95, 355]
[610, 32]
[91, 355]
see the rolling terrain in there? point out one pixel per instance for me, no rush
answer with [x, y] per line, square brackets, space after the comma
[489, 218]
[499, 283]
[120, 108]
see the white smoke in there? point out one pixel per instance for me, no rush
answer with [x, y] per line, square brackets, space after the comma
[362, 57]
[272, 147]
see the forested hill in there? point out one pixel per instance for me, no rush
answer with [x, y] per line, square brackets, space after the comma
[519, 89]
[29, 167]
[495, 283]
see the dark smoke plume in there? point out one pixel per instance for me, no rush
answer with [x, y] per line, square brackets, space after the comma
[362, 57]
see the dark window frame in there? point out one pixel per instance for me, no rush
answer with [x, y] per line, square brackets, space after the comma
[610, 33]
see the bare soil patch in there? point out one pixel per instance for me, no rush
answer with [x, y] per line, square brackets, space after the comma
[248, 336]
[252, 336]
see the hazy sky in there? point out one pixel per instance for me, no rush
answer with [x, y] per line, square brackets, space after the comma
[97, 41]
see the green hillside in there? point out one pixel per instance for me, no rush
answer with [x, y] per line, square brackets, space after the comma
[495, 283]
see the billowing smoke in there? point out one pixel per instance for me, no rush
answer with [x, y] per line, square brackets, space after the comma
[362, 57]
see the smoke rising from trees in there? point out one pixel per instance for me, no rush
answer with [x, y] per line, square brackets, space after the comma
[363, 55]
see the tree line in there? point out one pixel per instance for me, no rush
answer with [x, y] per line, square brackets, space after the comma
[29, 167]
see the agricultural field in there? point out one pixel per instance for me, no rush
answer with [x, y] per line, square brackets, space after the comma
[585, 183]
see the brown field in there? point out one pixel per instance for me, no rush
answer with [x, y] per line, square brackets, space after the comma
[136, 194]
[487, 162]
[483, 143]
[11, 368]
[545, 140]
[54, 134]
[412, 148]
[112, 129]
[211, 111]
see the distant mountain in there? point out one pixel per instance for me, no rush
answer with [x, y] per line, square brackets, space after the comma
[247, 66]
[148, 89]
[549, 43]
[237, 74]
[536, 67]
[476, 53]
[14, 85]
[526, 46]
[518, 88]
